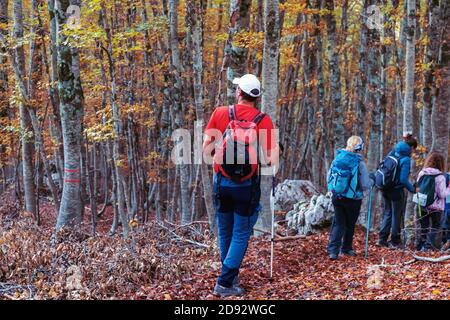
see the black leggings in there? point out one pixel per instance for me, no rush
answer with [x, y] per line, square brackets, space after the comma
[430, 226]
[346, 213]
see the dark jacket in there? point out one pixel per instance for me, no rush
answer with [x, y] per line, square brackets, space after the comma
[403, 151]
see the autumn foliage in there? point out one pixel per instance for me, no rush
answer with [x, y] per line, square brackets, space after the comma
[152, 264]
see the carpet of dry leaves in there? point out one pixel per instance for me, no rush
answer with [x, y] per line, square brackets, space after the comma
[154, 264]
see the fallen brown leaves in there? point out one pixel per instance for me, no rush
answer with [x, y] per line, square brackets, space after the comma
[153, 264]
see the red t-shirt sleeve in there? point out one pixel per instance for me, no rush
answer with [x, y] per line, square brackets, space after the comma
[267, 133]
[212, 121]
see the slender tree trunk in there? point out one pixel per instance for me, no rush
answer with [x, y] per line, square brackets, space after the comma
[309, 62]
[235, 57]
[4, 94]
[34, 75]
[25, 122]
[361, 79]
[374, 84]
[408, 99]
[335, 78]
[3, 68]
[441, 114]
[430, 53]
[177, 69]
[71, 112]
[270, 93]
[53, 92]
[117, 148]
[325, 144]
[196, 14]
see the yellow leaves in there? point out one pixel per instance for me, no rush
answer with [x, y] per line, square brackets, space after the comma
[100, 132]
[423, 41]
[221, 36]
[297, 7]
[436, 292]
[419, 155]
[249, 40]
[387, 41]
[293, 8]
[150, 123]
[135, 108]
[421, 67]
[133, 223]
[287, 55]
[94, 5]
[121, 163]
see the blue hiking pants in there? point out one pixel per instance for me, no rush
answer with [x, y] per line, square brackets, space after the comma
[235, 221]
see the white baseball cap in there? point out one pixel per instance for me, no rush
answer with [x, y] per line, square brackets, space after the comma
[249, 84]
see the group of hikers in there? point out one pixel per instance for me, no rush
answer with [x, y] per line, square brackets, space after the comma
[348, 179]
[237, 180]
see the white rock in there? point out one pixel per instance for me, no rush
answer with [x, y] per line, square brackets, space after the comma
[309, 217]
[290, 192]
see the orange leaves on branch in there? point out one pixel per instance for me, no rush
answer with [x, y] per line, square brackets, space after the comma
[249, 40]
[296, 7]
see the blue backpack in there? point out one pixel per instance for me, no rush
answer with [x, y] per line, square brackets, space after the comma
[343, 179]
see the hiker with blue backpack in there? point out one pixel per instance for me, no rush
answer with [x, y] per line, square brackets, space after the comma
[233, 133]
[391, 178]
[430, 200]
[348, 178]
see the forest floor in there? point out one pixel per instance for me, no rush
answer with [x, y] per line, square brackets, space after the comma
[158, 262]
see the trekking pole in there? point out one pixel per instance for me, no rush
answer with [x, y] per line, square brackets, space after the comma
[272, 207]
[366, 255]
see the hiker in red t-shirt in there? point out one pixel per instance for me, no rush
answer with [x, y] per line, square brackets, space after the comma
[235, 135]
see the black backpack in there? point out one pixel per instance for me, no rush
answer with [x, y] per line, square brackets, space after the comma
[427, 189]
[387, 172]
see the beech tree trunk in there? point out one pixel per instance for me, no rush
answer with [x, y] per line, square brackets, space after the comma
[270, 91]
[177, 69]
[235, 57]
[374, 87]
[3, 72]
[441, 108]
[117, 145]
[339, 133]
[25, 122]
[408, 99]
[196, 14]
[361, 79]
[71, 112]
